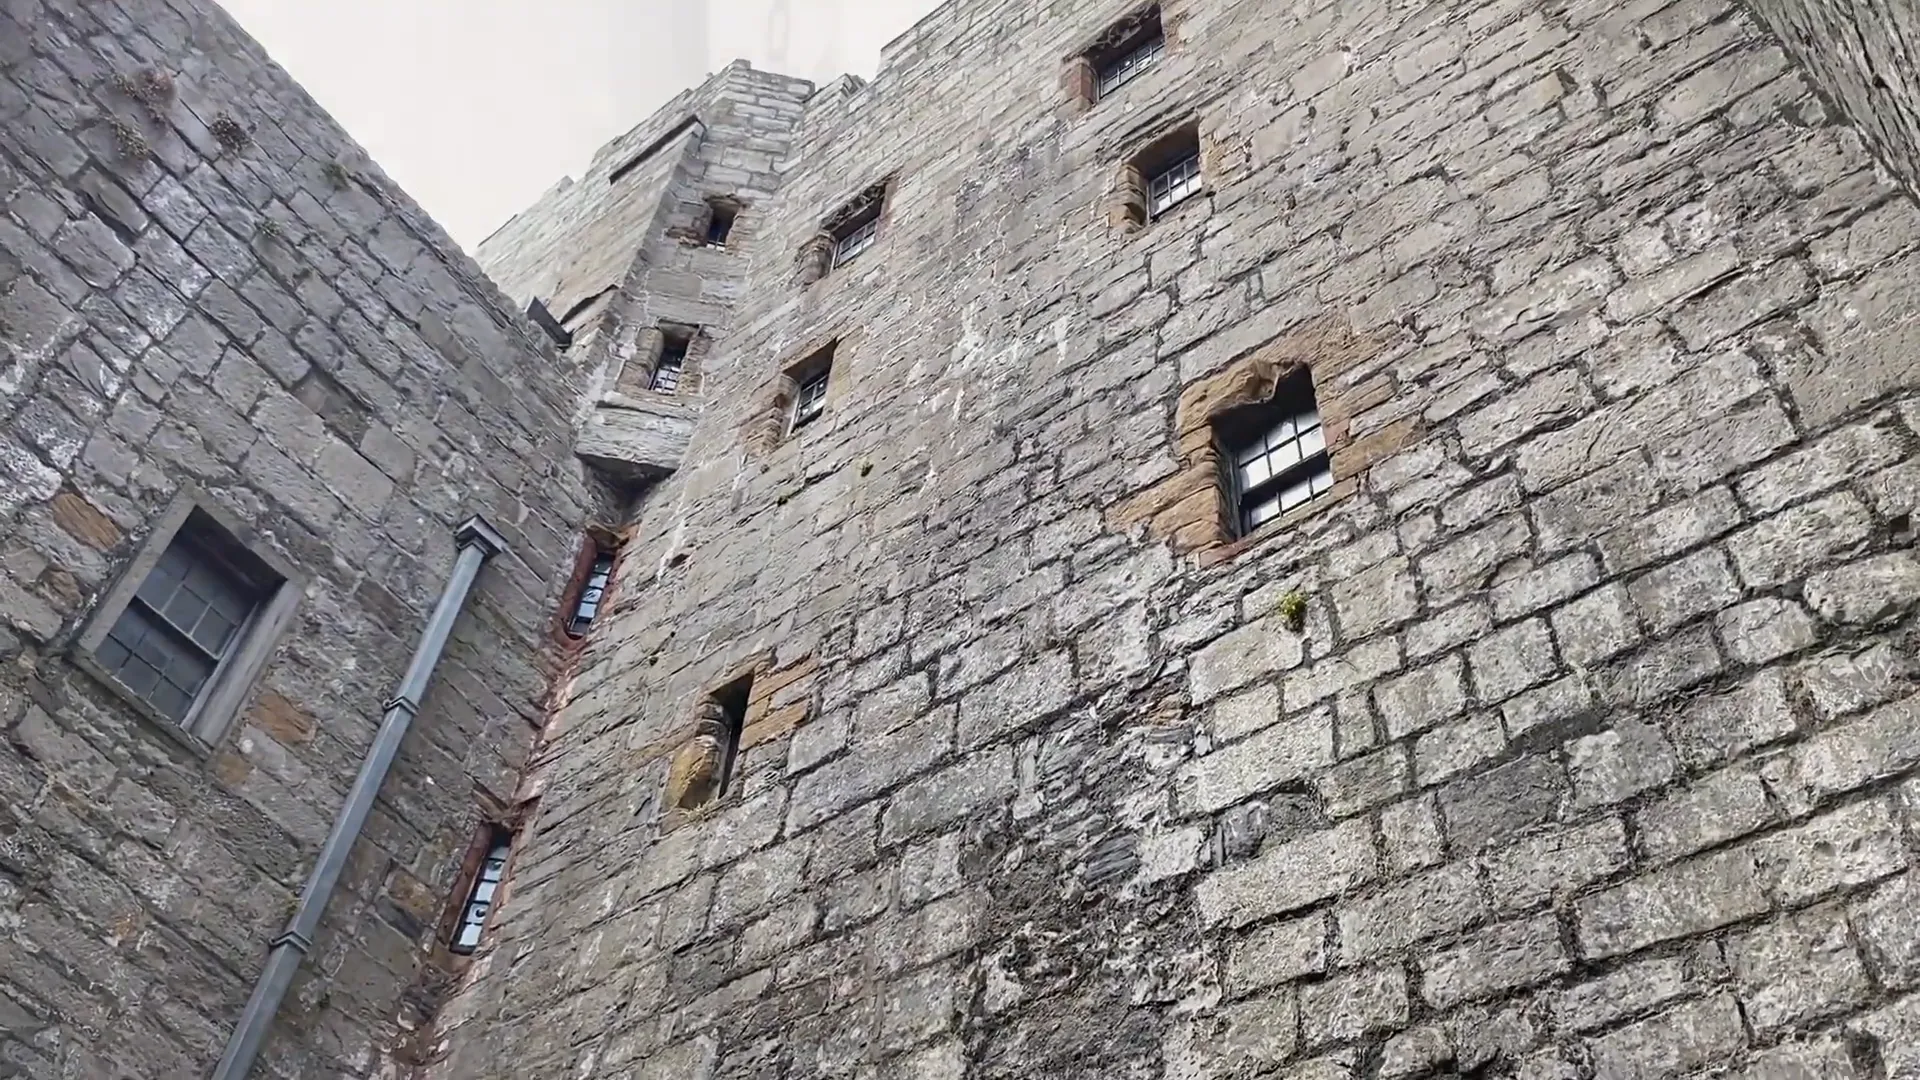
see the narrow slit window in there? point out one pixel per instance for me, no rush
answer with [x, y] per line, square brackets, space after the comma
[592, 593]
[1136, 50]
[673, 361]
[480, 899]
[720, 219]
[183, 622]
[733, 708]
[1273, 456]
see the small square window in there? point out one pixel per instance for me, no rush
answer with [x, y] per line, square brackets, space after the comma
[186, 631]
[1136, 46]
[856, 235]
[720, 218]
[1173, 185]
[484, 893]
[1273, 456]
[593, 594]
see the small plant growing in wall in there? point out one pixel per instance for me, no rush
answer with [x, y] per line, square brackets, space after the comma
[128, 139]
[1292, 610]
[230, 132]
[151, 87]
[336, 175]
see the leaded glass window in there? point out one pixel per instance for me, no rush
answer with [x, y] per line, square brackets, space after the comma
[587, 608]
[666, 371]
[486, 884]
[1274, 455]
[186, 617]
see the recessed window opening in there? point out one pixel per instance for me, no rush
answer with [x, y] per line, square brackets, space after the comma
[1137, 50]
[856, 234]
[732, 700]
[673, 360]
[1273, 456]
[720, 219]
[592, 593]
[810, 400]
[486, 884]
[185, 620]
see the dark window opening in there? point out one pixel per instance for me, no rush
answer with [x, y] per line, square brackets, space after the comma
[856, 234]
[480, 899]
[673, 360]
[1135, 48]
[537, 311]
[1273, 456]
[720, 223]
[592, 593]
[187, 617]
[732, 700]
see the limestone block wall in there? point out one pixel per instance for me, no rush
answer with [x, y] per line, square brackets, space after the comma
[204, 283]
[1866, 57]
[1592, 753]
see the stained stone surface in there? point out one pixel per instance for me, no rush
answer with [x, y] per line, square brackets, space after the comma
[1592, 757]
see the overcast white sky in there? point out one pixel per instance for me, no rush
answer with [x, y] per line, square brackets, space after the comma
[477, 106]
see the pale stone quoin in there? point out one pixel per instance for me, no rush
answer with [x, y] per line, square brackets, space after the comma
[1226, 539]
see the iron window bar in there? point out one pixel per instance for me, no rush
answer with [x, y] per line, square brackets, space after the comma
[486, 884]
[1279, 463]
[587, 608]
[811, 399]
[849, 247]
[1126, 67]
[1173, 185]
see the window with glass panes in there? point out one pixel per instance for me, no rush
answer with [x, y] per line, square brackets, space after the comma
[186, 618]
[1273, 456]
[856, 236]
[673, 359]
[1173, 184]
[1134, 55]
[486, 884]
[810, 400]
[592, 593]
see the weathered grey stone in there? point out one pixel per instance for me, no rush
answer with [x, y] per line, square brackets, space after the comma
[1684, 1038]
[1797, 969]
[1688, 898]
[1291, 875]
[1494, 960]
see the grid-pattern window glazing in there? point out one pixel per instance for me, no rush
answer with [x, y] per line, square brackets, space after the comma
[849, 247]
[666, 372]
[473, 917]
[1122, 69]
[1279, 466]
[1177, 182]
[811, 399]
[182, 622]
[587, 608]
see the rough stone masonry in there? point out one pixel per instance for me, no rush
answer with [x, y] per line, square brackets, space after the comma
[953, 734]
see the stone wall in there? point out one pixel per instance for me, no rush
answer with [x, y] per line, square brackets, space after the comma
[1866, 57]
[203, 282]
[1591, 756]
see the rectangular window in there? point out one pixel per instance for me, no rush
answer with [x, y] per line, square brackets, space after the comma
[1135, 49]
[188, 628]
[480, 898]
[593, 591]
[732, 699]
[1173, 185]
[811, 398]
[719, 223]
[673, 360]
[856, 235]
[1274, 455]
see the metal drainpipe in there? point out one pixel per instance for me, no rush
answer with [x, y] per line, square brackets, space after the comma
[478, 542]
